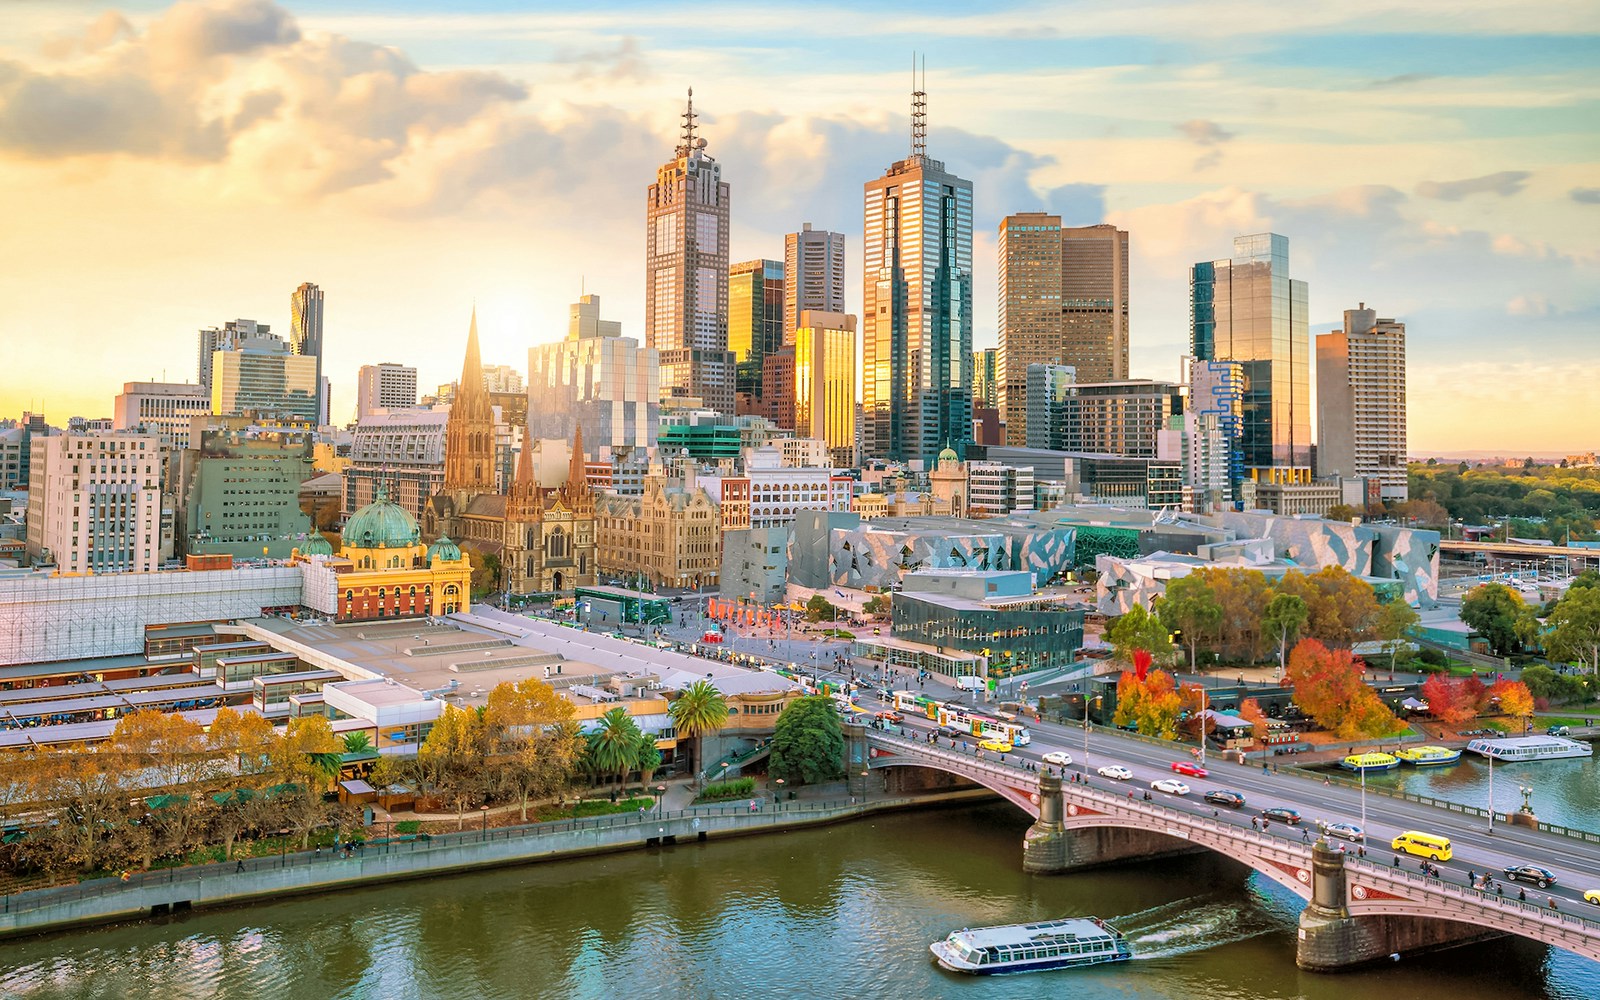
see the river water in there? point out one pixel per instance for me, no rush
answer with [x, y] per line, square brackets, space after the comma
[1565, 792]
[842, 911]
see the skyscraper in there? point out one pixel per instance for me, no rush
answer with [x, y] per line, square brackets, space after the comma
[305, 334]
[1249, 310]
[597, 382]
[686, 273]
[755, 318]
[917, 315]
[1063, 301]
[1361, 401]
[986, 377]
[260, 376]
[825, 382]
[813, 267]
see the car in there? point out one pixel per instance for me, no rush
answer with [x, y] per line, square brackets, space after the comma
[1171, 786]
[1224, 797]
[1540, 877]
[1116, 772]
[1558, 731]
[1592, 896]
[894, 717]
[1060, 758]
[1345, 831]
[1282, 815]
[1192, 770]
[998, 746]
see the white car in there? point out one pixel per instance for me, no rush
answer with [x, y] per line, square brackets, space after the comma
[1346, 831]
[1060, 758]
[1116, 772]
[1170, 785]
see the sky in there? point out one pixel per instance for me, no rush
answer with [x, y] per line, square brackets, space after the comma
[169, 167]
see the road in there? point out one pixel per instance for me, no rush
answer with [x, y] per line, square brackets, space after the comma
[1576, 864]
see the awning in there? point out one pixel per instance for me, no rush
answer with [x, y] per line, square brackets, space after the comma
[1415, 704]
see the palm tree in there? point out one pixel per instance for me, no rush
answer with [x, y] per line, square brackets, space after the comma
[614, 747]
[699, 709]
[357, 743]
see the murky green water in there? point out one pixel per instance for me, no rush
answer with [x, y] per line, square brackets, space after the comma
[843, 911]
[1566, 792]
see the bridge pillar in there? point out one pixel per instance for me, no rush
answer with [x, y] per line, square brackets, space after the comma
[1044, 846]
[856, 760]
[1331, 940]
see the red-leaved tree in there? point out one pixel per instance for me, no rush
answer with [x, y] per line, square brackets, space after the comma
[1328, 687]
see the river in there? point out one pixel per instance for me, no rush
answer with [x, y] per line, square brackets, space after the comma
[1565, 792]
[843, 911]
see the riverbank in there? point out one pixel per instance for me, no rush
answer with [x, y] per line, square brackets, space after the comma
[176, 890]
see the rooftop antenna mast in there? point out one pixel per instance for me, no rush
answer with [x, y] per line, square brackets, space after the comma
[919, 108]
[688, 116]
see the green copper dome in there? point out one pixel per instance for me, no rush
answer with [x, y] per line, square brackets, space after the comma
[381, 524]
[316, 546]
[949, 453]
[444, 549]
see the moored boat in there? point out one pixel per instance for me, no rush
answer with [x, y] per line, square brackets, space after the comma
[1519, 748]
[1428, 756]
[1370, 762]
[1049, 944]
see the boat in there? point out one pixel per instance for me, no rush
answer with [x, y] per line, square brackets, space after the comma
[1521, 748]
[1050, 944]
[1429, 756]
[1370, 762]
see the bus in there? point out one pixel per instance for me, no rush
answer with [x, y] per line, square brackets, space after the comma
[961, 720]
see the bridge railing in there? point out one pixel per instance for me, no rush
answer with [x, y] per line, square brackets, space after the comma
[1589, 925]
[969, 761]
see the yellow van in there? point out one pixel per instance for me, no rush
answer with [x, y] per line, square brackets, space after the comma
[1423, 845]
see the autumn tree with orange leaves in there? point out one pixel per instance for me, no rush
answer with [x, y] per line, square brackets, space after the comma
[1328, 687]
[1148, 699]
[1514, 699]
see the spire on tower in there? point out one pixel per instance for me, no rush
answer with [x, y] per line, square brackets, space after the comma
[919, 108]
[472, 366]
[687, 146]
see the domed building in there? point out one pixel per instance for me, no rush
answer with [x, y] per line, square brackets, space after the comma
[384, 571]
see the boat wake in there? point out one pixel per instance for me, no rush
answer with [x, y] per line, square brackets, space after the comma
[1193, 924]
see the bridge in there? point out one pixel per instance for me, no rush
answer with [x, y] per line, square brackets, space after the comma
[1357, 910]
[1579, 555]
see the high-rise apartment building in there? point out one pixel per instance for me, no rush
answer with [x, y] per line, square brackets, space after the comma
[917, 314]
[755, 318]
[261, 376]
[162, 408]
[1247, 309]
[825, 382]
[1361, 401]
[1214, 425]
[813, 267]
[94, 502]
[1063, 301]
[686, 274]
[305, 336]
[385, 386]
[596, 379]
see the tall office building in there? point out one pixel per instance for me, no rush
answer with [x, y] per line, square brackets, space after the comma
[1247, 309]
[94, 502]
[1063, 301]
[686, 274]
[502, 379]
[239, 488]
[162, 408]
[230, 336]
[305, 335]
[825, 383]
[1047, 390]
[385, 386]
[813, 267]
[755, 318]
[1216, 401]
[917, 315]
[1110, 418]
[596, 380]
[264, 378]
[1361, 401]
[986, 377]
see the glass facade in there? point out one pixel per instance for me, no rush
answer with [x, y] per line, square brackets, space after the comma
[825, 383]
[267, 382]
[1016, 636]
[755, 318]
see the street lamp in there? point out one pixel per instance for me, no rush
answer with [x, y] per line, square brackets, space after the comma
[780, 793]
[865, 788]
[485, 811]
[661, 794]
[283, 848]
[1491, 793]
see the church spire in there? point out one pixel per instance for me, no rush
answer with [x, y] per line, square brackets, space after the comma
[525, 460]
[469, 431]
[472, 367]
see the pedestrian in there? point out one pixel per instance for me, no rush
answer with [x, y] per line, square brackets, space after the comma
[1522, 895]
[1361, 852]
[1255, 824]
[1397, 861]
[1472, 876]
[1305, 836]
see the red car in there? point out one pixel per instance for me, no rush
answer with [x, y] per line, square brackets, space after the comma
[1193, 770]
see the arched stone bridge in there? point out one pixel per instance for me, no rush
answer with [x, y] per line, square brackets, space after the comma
[1356, 911]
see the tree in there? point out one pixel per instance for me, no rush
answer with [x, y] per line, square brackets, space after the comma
[1514, 698]
[244, 739]
[1250, 711]
[1328, 687]
[818, 608]
[1492, 610]
[1189, 608]
[699, 709]
[452, 758]
[1394, 620]
[1286, 616]
[1341, 512]
[1138, 629]
[1150, 704]
[165, 746]
[536, 743]
[1243, 595]
[357, 742]
[1446, 700]
[876, 605]
[1574, 628]
[614, 747]
[808, 742]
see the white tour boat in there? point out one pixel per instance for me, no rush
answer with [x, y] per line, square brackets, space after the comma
[1051, 944]
[1519, 748]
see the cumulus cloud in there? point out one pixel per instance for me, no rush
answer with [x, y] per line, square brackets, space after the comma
[1505, 183]
[1585, 196]
[106, 30]
[624, 62]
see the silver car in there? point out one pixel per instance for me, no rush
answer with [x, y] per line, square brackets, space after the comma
[1345, 831]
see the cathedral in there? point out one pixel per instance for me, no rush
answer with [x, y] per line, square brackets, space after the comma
[543, 537]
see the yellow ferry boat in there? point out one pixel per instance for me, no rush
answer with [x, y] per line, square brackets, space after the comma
[1370, 762]
[1428, 756]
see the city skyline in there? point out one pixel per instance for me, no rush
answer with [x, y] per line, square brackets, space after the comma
[500, 157]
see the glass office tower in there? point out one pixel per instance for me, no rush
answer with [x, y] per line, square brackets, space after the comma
[1247, 309]
[755, 318]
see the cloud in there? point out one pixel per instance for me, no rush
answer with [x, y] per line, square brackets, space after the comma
[1505, 183]
[1529, 305]
[1585, 196]
[1078, 204]
[1204, 133]
[625, 62]
[1399, 81]
[106, 30]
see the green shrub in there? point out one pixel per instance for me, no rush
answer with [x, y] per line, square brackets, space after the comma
[408, 826]
[738, 788]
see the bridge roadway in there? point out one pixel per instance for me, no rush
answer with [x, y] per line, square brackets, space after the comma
[1575, 862]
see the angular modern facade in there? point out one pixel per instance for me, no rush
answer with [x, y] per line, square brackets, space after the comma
[1216, 404]
[917, 315]
[755, 318]
[1361, 401]
[825, 383]
[813, 267]
[686, 274]
[305, 335]
[1247, 309]
[598, 380]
